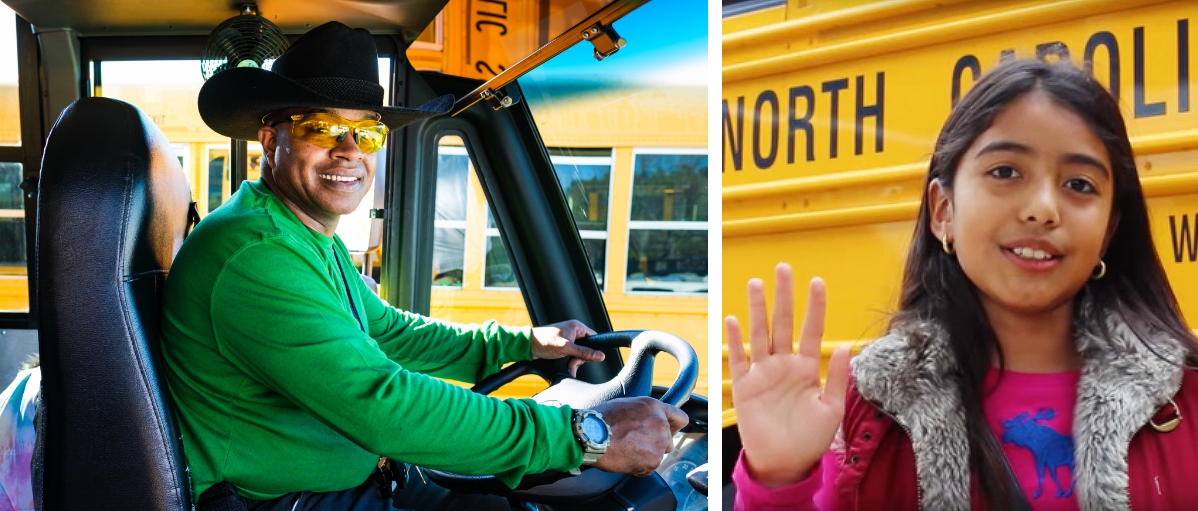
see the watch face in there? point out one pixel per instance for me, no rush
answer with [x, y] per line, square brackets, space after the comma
[593, 428]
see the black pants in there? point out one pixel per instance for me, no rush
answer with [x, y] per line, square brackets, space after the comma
[417, 495]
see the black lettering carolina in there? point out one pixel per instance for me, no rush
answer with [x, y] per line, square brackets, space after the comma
[1106, 39]
[969, 62]
[1184, 243]
[1142, 109]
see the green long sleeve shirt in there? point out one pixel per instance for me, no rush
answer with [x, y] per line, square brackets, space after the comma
[279, 388]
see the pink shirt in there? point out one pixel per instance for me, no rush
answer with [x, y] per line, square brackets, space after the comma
[1032, 418]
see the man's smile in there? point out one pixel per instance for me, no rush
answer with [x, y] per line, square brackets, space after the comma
[334, 177]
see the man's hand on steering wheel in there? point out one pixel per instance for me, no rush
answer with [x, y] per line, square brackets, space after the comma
[642, 432]
[557, 340]
[642, 428]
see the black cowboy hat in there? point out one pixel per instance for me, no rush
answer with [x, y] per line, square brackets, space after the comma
[332, 66]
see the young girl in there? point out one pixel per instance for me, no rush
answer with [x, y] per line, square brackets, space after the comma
[1038, 359]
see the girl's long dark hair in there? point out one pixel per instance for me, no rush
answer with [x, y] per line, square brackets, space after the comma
[935, 289]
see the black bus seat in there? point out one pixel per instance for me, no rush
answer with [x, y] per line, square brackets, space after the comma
[113, 208]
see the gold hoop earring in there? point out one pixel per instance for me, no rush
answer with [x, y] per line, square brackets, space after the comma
[1101, 270]
[944, 244]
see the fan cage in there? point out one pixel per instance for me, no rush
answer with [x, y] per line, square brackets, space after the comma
[245, 40]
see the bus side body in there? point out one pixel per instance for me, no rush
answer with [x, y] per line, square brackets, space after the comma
[826, 137]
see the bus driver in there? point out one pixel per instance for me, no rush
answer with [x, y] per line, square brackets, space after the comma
[291, 379]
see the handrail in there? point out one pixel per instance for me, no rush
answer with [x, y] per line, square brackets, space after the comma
[919, 37]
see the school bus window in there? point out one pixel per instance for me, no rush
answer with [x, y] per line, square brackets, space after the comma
[667, 239]
[10, 119]
[14, 285]
[498, 272]
[585, 178]
[14, 294]
[449, 227]
[183, 152]
[217, 175]
[253, 171]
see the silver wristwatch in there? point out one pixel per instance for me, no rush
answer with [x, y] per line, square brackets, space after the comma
[592, 435]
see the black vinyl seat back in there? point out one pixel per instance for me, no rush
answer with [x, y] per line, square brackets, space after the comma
[113, 208]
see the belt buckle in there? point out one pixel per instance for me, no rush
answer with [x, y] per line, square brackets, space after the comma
[383, 477]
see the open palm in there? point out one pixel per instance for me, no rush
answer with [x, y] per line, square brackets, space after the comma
[787, 421]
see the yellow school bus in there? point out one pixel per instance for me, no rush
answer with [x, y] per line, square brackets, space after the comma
[831, 109]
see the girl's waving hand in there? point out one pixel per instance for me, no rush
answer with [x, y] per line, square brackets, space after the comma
[787, 420]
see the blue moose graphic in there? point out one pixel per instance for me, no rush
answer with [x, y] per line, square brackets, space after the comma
[1049, 448]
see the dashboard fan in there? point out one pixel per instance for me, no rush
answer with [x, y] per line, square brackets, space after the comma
[246, 40]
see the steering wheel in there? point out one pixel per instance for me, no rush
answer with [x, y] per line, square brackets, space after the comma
[635, 379]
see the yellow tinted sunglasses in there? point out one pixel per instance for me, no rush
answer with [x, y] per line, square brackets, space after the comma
[329, 131]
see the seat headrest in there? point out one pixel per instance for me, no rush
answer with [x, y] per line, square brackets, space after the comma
[93, 138]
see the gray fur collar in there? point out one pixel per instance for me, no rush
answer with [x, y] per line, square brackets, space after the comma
[1122, 384]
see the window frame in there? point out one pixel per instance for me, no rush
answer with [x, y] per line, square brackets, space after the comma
[663, 225]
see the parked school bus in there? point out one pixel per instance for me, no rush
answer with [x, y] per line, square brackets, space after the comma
[831, 110]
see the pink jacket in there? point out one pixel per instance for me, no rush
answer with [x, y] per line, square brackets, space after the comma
[905, 446]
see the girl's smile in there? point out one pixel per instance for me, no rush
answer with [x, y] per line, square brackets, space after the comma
[1033, 254]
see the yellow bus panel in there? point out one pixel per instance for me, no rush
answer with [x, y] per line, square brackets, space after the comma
[826, 138]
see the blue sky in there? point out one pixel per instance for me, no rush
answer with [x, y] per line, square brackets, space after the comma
[667, 43]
